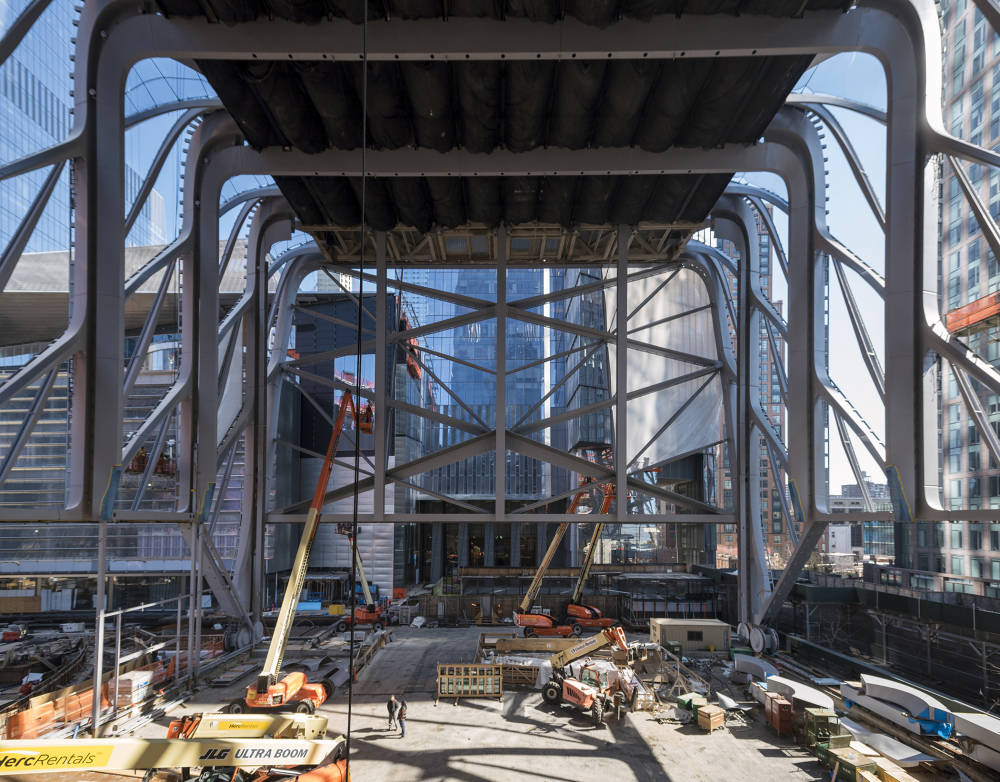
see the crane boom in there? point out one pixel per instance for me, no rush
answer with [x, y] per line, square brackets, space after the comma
[361, 575]
[550, 552]
[588, 560]
[595, 538]
[286, 615]
[536, 582]
[611, 635]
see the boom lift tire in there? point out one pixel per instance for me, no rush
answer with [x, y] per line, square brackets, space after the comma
[597, 712]
[577, 629]
[552, 692]
[238, 706]
[341, 626]
[529, 632]
[305, 707]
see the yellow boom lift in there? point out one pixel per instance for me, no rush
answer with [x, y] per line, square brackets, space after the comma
[578, 616]
[369, 613]
[294, 692]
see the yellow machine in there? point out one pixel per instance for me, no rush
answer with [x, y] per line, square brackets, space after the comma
[250, 726]
[309, 760]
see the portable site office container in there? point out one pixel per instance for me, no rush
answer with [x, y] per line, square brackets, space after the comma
[692, 634]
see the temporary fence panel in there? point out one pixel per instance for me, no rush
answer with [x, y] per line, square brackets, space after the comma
[469, 681]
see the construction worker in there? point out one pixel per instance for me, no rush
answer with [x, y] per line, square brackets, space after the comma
[392, 708]
[401, 717]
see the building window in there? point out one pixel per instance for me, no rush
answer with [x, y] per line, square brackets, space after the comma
[978, 44]
[994, 536]
[955, 460]
[975, 535]
[955, 213]
[976, 567]
[974, 460]
[973, 274]
[694, 635]
[995, 103]
[922, 536]
[956, 565]
[939, 534]
[975, 488]
[939, 563]
[957, 63]
[995, 569]
[994, 194]
[923, 562]
[956, 535]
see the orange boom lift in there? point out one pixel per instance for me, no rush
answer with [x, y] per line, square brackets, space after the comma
[294, 692]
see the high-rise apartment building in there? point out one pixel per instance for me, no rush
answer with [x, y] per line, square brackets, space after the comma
[965, 556]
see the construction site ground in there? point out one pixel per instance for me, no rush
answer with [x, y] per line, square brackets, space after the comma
[522, 738]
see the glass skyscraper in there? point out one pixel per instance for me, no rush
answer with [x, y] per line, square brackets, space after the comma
[36, 112]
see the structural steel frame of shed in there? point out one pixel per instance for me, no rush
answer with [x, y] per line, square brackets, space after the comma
[902, 34]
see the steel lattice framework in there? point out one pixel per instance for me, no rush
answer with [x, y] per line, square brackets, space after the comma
[245, 348]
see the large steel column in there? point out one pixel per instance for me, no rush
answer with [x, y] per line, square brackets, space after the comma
[515, 544]
[437, 551]
[739, 461]
[621, 376]
[99, 274]
[489, 544]
[102, 558]
[910, 279]
[501, 377]
[381, 429]
[463, 544]
[256, 445]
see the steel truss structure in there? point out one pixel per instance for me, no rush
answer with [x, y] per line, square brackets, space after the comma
[236, 370]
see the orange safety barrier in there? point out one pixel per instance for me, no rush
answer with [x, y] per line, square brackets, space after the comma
[972, 313]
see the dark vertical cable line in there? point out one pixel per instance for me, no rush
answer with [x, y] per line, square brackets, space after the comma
[357, 379]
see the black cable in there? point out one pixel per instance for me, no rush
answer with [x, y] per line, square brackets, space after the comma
[357, 383]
